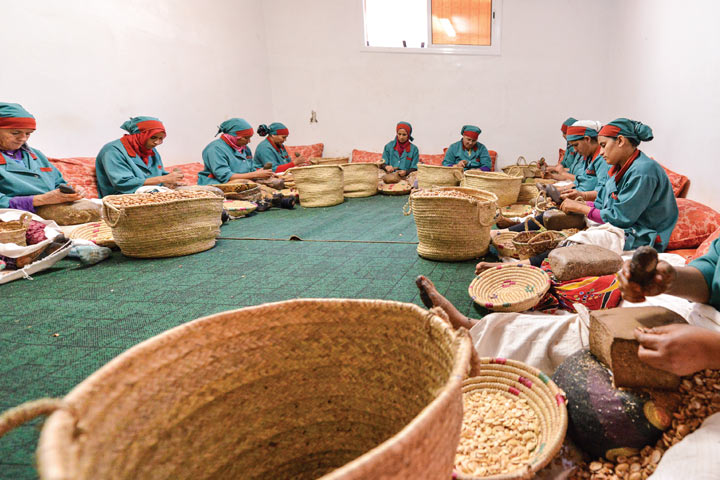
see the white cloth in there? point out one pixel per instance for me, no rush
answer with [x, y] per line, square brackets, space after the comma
[594, 124]
[13, 250]
[695, 457]
[153, 188]
[605, 235]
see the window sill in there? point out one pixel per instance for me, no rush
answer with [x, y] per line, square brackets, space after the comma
[436, 50]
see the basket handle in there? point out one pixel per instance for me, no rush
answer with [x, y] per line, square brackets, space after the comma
[542, 227]
[407, 208]
[107, 208]
[458, 174]
[25, 220]
[23, 413]
[524, 162]
[495, 217]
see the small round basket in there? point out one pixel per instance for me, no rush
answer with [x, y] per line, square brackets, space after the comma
[239, 208]
[504, 245]
[514, 382]
[506, 187]
[99, 233]
[240, 191]
[400, 188]
[13, 231]
[509, 288]
[516, 210]
[529, 244]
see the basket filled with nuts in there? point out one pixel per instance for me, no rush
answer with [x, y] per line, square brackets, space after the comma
[164, 224]
[514, 422]
[453, 223]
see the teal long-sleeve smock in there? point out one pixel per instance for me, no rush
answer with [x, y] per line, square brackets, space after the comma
[569, 158]
[479, 157]
[642, 203]
[266, 152]
[32, 176]
[710, 268]
[590, 174]
[119, 173]
[406, 161]
[222, 161]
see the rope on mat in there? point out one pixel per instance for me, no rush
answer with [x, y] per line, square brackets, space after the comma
[295, 238]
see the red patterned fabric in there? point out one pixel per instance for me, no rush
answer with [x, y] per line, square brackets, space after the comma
[306, 151]
[190, 171]
[705, 246]
[78, 172]
[687, 253]
[595, 293]
[428, 159]
[680, 183]
[35, 233]
[561, 154]
[696, 222]
[361, 156]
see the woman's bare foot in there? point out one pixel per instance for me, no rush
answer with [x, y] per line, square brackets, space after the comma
[432, 298]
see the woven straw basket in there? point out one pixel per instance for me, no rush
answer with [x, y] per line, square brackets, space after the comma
[528, 193]
[360, 179]
[506, 187]
[451, 228]
[509, 288]
[240, 191]
[319, 185]
[522, 167]
[165, 229]
[302, 389]
[97, 232]
[504, 245]
[517, 380]
[13, 231]
[329, 160]
[438, 176]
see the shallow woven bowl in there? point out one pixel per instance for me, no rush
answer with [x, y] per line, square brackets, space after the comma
[516, 210]
[400, 188]
[308, 388]
[509, 288]
[99, 233]
[239, 208]
[516, 379]
[504, 245]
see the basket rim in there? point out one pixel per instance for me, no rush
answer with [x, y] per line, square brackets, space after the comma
[530, 269]
[493, 175]
[312, 166]
[214, 198]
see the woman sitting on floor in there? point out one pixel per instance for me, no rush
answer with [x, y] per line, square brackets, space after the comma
[468, 152]
[27, 178]
[637, 197]
[590, 169]
[229, 158]
[125, 165]
[271, 153]
[564, 169]
[400, 155]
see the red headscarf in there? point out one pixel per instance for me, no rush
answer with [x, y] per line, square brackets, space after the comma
[135, 143]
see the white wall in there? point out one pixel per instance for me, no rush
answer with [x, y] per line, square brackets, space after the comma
[83, 67]
[669, 78]
[550, 68]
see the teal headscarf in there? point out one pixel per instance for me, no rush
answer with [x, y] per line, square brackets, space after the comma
[471, 131]
[275, 128]
[567, 123]
[630, 129]
[142, 124]
[236, 126]
[13, 115]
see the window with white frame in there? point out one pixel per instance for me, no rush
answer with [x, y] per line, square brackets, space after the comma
[433, 26]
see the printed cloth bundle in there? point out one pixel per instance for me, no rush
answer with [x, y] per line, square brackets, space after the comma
[595, 293]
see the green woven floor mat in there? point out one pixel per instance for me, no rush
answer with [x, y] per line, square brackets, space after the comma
[70, 320]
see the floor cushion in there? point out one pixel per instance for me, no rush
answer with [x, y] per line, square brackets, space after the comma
[428, 159]
[190, 171]
[306, 151]
[696, 222]
[680, 183]
[705, 246]
[361, 156]
[78, 171]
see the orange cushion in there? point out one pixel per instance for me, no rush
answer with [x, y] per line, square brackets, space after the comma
[190, 170]
[705, 245]
[432, 159]
[696, 222]
[306, 151]
[680, 183]
[361, 156]
[78, 172]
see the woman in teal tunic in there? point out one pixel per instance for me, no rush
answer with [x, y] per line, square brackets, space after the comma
[229, 157]
[272, 152]
[124, 165]
[468, 152]
[27, 178]
[637, 196]
[590, 168]
[400, 155]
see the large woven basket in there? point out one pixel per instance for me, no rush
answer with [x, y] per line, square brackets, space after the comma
[528, 193]
[509, 288]
[452, 228]
[515, 380]
[13, 231]
[319, 185]
[187, 224]
[329, 160]
[302, 389]
[360, 179]
[506, 187]
[438, 176]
